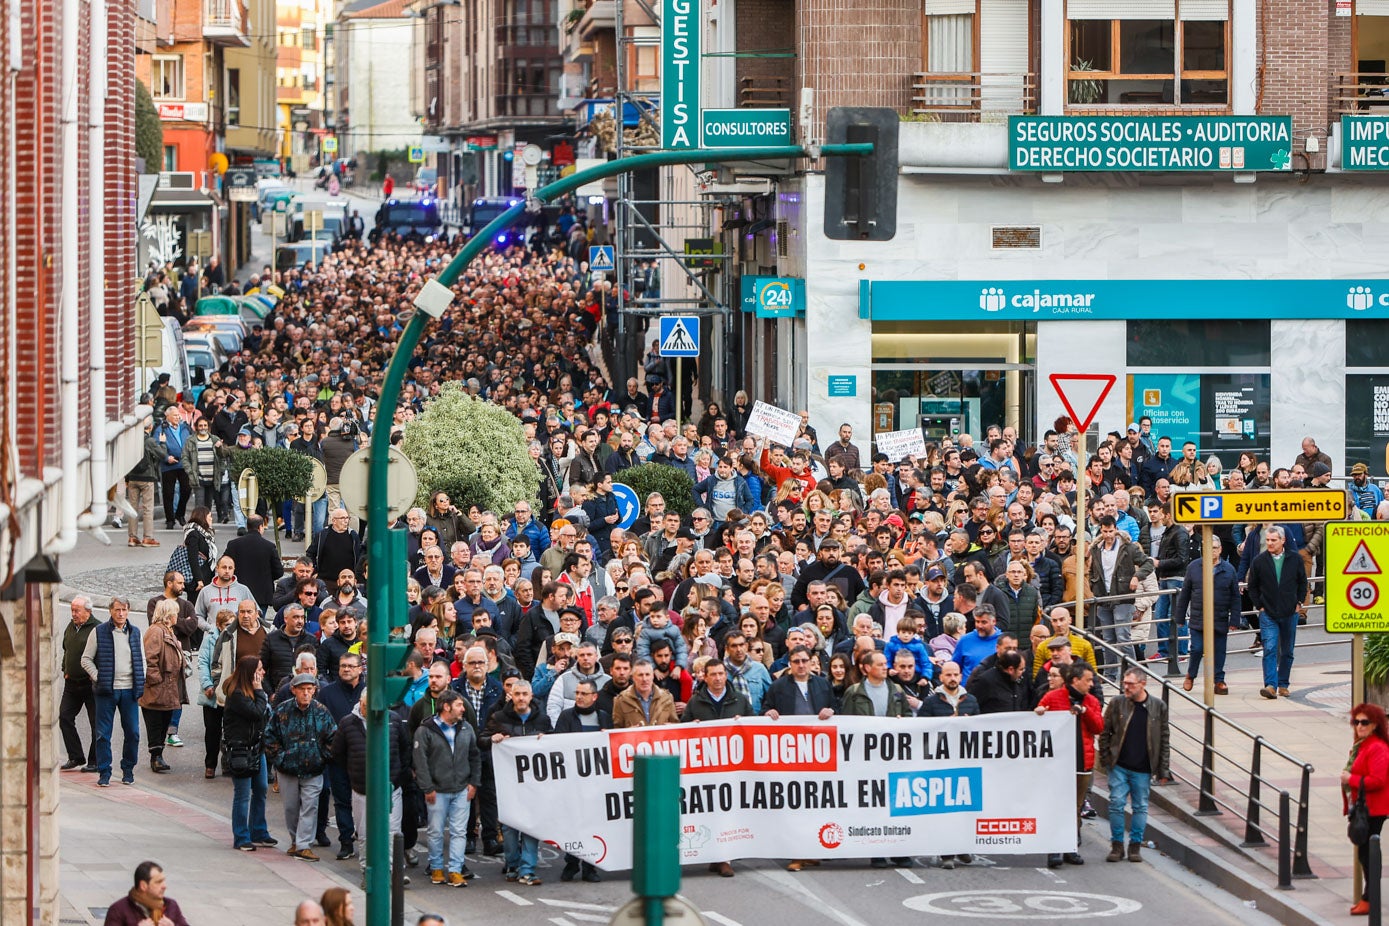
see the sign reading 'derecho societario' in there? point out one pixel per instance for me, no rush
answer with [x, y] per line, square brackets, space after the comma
[1149, 143]
[800, 788]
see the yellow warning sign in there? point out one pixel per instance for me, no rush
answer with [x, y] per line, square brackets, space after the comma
[1355, 602]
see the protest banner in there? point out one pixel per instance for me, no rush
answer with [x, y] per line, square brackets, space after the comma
[849, 787]
[898, 445]
[776, 424]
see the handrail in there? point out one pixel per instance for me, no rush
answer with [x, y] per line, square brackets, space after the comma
[1249, 803]
[966, 95]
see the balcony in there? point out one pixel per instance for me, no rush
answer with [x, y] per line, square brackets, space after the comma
[972, 96]
[601, 14]
[764, 93]
[224, 23]
[1357, 93]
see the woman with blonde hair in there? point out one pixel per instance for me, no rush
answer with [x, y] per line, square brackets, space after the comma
[164, 688]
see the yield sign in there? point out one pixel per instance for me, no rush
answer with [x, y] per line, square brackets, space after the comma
[1082, 392]
[1362, 562]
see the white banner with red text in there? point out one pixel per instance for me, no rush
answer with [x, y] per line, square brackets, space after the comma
[849, 787]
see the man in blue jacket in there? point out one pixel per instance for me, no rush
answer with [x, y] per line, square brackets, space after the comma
[171, 435]
[115, 660]
[1190, 609]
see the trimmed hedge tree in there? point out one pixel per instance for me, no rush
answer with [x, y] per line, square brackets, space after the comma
[675, 486]
[473, 450]
[281, 475]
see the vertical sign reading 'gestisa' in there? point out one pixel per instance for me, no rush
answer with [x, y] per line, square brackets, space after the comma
[680, 24]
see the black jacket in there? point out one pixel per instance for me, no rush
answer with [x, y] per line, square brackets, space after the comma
[841, 574]
[258, 565]
[277, 656]
[243, 719]
[350, 751]
[784, 694]
[505, 720]
[703, 707]
[1190, 606]
[1268, 593]
[997, 693]
[330, 650]
[568, 722]
[1174, 552]
[535, 629]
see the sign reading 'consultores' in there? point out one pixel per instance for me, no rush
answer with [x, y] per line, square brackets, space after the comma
[890, 300]
[1149, 143]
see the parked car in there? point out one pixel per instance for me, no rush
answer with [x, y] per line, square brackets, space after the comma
[426, 180]
[299, 253]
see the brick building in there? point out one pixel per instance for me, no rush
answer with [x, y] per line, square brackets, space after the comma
[67, 252]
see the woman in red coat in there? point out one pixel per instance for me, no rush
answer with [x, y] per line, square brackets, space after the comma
[1075, 696]
[1369, 766]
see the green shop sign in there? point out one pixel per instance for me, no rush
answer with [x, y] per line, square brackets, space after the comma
[743, 128]
[1149, 143]
[1364, 143]
[680, 26]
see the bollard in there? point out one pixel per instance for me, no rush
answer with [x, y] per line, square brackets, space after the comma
[1372, 876]
[1253, 836]
[1285, 848]
[1301, 868]
[1174, 668]
[398, 880]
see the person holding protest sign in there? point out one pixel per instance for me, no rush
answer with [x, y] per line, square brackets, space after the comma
[583, 717]
[1074, 696]
[518, 717]
[875, 696]
[643, 703]
[798, 692]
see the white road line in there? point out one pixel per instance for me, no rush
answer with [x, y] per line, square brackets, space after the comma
[575, 905]
[910, 876]
[1052, 875]
[589, 917]
[514, 898]
[719, 918]
[560, 921]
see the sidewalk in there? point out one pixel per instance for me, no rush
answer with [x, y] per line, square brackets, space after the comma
[101, 829]
[1312, 726]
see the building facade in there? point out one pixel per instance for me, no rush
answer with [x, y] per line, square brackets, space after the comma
[1178, 195]
[372, 41]
[70, 427]
[300, 27]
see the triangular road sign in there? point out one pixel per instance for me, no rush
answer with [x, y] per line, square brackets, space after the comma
[1362, 562]
[1082, 394]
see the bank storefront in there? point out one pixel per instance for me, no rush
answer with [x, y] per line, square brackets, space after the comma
[1241, 316]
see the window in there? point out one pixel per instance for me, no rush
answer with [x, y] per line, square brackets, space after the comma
[170, 158]
[949, 53]
[1132, 52]
[233, 96]
[167, 77]
[1204, 343]
[310, 40]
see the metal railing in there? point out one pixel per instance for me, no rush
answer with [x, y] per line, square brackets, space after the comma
[1355, 92]
[972, 96]
[1246, 781]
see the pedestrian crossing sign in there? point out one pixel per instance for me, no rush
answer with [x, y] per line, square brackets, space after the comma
[600, 258]
[679, 336]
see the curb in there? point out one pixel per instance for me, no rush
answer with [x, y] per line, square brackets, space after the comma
[1234, 879]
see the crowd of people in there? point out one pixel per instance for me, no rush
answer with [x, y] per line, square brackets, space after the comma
[811, 579]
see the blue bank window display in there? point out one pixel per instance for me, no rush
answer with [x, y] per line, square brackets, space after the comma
[1225, 414]
[1367, 422]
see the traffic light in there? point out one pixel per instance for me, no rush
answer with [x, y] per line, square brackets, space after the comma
[861, 192]
[384, 660]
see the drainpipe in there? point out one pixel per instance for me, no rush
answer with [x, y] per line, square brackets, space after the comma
[69, 247]
[98, 87]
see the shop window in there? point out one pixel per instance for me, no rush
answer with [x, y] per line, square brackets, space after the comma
[167, 77]
[1367, 342]
[1367, 418]
[1198, 342]
[1139, 53]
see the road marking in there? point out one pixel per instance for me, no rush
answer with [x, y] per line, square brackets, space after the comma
[719, 918]
[801, 891]
[517, 900]
[1056, 879]
[560, 921]
[1022, 905]
[910, 876]
[589, 917]
[575, 905]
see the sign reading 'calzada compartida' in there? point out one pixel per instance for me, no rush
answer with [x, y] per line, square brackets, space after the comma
[851, 787]
[680, 25]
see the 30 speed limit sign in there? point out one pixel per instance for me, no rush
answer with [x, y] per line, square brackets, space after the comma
[1354, 552]
[1362, 594]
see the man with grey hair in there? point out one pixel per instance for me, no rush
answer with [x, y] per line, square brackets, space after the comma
[586, 668]
[604, 613]
[114, 659]
[1278, 588]
[277, 653]
[78, 694]
[309, 913]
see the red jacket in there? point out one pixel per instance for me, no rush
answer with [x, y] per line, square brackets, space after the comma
[780, 474]
[1371, 766]
[1091, 722]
